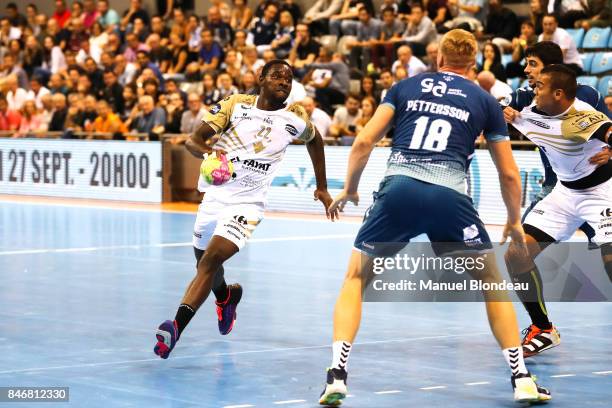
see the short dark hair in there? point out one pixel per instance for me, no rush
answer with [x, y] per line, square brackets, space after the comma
[364, 8]
[417, 5]
[11, 6]
[550, 15]
[547, 51]
[388, 10]
[528, 22]
[266, 68]
[561, 77]
[353, 95]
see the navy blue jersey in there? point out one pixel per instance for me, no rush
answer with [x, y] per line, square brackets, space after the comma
[438, 117]
[523, 97]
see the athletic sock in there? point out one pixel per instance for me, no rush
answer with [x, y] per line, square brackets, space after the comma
[514, 358]
[341, 351]
[536, 309]
[183, 316]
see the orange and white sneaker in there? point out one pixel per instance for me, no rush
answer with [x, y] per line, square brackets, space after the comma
[537, 340]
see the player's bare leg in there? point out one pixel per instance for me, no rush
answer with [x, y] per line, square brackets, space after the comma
[347, 312]
[541, 334]
[347, 318]
[217, 252]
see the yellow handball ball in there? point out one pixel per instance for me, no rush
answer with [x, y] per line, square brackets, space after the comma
[216, 169]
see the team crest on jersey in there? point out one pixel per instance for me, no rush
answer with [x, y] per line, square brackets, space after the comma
[448, 78]
[291, 129]
[215, 109]
[539, 123]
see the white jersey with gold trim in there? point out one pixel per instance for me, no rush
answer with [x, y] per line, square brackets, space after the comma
[255, 141]
[566, 139]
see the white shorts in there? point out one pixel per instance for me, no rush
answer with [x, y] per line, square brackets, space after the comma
[235, 223]
[562, 211]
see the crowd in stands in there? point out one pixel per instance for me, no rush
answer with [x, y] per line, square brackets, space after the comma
[90, 68]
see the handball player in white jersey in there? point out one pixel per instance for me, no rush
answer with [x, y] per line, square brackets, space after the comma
[253, 132]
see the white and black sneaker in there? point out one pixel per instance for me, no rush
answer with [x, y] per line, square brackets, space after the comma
[335, 389]
[527, 390]
[537, 340]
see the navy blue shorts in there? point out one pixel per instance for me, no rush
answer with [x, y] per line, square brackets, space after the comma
[405, 207]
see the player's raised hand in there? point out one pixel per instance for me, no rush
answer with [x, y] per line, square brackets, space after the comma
[341, 199]
[510, 114]
[325, 198]
[516, 234]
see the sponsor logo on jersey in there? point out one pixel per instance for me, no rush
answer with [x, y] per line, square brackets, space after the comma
[539, 123]
[215, 109]
[254, 164]
[291, 129]
[456, 92]
[607, 212]
[268, 120]
[537, 211]
[195, 234]
[240, 219]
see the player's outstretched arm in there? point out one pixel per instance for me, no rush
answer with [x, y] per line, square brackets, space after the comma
[510, 182]
[196, 144]
[365, 141]
[317, 156]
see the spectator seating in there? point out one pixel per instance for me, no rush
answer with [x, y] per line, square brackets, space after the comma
[588, 80]
[596, 39]
[604, 85]
[587, 61]
[577, 34]
[602, 64]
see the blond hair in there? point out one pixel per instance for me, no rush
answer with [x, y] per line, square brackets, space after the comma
[459, 48]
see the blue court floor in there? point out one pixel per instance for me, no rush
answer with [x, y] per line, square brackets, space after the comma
[83, 290]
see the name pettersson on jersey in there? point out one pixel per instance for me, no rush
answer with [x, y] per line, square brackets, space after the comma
[438, 109]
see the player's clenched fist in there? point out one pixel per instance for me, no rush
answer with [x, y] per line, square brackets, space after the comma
[510, 114]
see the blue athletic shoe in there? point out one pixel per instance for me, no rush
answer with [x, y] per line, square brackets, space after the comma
[167, 336]
[226, 310]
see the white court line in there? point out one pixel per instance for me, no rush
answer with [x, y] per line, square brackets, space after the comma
[478, 383]
[170, 244]
[436, 387]
[562, 375]
[602, 372]
[274, 350]
[271, 215]
[387, 392]
[288, 402]
[239, 406]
